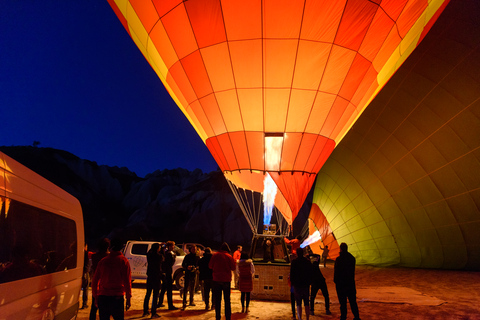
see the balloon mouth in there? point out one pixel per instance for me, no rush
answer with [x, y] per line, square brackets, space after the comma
[273, 151]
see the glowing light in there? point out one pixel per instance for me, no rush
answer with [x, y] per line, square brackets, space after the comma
[269, 193]
[273, 151]
[314, 237]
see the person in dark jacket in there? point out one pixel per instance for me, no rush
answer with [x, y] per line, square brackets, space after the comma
[344, 278]
[206, 277]
[167, 266]
[103, 246]
[85, 277]
[268, 246]
[154, 275]
[318, 282]
[301, 275]
[190, 265]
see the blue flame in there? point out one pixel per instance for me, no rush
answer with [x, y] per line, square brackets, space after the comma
[314, 237]
[269, 193]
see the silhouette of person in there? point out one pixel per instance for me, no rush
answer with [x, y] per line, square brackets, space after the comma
[85, 277]
[154, 275]
[111, 282]
[344, 278]
[245, 271]
[325, 255]
[318, 282]
[103, 246]
[268, 250]
[206, 277]
[292, 298]
[69, 262]
[222, 265]
[236, 256]
[190, 264]
[20, 267]
[167, 285]
[301, 274]
[294, 244]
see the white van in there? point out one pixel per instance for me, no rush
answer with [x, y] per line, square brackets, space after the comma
[41, 246]
[136, 253]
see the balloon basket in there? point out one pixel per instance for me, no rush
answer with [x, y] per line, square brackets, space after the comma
[270, 229]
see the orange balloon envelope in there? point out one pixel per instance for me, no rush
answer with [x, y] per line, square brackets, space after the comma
[298, 73]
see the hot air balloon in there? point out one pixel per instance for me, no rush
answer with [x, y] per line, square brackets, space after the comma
[403, 186]
[272, 86]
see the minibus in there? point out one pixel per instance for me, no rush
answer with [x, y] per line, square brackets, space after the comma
[41, 246]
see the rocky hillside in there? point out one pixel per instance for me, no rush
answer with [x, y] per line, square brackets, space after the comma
[166, 205]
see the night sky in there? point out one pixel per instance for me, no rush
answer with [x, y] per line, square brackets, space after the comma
[72, 79]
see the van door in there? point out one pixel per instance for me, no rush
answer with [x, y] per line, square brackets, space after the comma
[136, 253]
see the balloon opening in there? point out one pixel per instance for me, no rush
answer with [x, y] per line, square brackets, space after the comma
[314, 237]
[273, 151]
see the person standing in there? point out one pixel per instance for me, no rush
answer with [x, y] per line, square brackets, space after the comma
[325, 255]
[222, 265]
[206, 277]
[154, 274]
[292, 299]
[167, 265]
[111, 282]
[103, 246]
[268, 254]
[301, 274]
[236, 256]
[190, 264]
[245, 271]
[85, 276]
[344, 278]
[318, 283]
[294, 244]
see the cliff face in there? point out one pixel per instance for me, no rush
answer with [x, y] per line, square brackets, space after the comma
[178, 204]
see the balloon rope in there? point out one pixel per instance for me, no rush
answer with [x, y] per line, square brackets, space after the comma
[254, 215]
[304, 232]
[248, 215]
[281, 222]
[259, 211]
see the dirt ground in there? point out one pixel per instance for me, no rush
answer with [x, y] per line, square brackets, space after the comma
[383, 293]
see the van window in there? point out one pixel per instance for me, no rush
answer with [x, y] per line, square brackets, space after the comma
[140, 249]
[34, 241]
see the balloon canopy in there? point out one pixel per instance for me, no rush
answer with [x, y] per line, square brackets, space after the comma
[272, 86]
[403, 187]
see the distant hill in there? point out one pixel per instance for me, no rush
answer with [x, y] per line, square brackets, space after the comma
[179, 205]
[171, 204]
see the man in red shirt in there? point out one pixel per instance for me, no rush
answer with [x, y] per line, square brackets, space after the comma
[222, 265]
[236, 256]
[295, 244]
[111, 282]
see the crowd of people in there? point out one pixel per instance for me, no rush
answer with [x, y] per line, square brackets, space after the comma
[111, 280]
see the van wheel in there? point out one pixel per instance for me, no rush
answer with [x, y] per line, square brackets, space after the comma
[180, 280]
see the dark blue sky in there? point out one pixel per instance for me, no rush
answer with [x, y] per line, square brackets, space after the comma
[71, 78]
